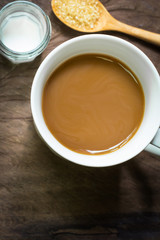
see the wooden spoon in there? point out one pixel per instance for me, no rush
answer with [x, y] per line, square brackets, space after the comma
[107, 22]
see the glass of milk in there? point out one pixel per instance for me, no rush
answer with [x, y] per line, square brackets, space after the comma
[25, 31]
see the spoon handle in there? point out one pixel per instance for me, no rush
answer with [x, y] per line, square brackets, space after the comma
[137, 32]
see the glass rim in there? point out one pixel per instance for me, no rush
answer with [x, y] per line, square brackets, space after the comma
[39, 49]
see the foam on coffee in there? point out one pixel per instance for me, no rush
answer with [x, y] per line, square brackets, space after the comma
[93, 104]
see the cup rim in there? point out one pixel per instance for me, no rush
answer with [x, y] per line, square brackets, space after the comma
[89, 160]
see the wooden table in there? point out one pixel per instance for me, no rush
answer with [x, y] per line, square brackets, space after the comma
[45, 197]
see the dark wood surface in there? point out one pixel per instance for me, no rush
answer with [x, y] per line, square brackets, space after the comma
[45, 197]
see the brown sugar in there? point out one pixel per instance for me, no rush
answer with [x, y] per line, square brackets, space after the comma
[83, 14]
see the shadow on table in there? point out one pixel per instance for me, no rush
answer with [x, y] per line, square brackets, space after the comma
[70, 190]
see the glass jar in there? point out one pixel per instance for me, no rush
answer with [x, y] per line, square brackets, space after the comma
[25, 31]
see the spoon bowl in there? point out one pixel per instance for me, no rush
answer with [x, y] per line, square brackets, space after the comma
[106, 22]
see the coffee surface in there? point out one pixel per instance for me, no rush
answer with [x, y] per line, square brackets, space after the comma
[93, 104]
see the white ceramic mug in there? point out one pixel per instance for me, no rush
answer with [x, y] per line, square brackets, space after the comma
[148, 135]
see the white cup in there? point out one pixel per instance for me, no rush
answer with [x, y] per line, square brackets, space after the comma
[148, 135]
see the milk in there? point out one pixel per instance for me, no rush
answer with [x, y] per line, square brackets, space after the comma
[21, 32]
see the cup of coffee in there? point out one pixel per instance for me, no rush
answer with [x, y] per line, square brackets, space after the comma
[95, 101]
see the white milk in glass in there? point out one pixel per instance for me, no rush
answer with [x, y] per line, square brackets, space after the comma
[21, 32]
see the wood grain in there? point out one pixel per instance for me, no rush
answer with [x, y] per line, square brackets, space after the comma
[45, 197]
